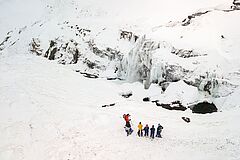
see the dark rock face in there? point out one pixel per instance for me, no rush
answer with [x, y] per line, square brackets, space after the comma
[146, 99]
[207, 87]
[126, 95]
[113, 78]
[75, 57]
[186, 119]
[89, 63]
[155, 101]
[69, 52]
[50, 53]
[112, 54]
[128, 35]
[174, 73]
[88, 75]
[211, 84]
[204, 107]
[164, 85]
[236, 5]
[108, 105]
[172, 106]
[236, 2]
[4, 41]
[186, 53]
[187, 21]
[35, 47]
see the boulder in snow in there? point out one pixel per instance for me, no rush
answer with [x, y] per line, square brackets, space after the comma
[204, 107]
[146, 99]
[186, 119]
[108, 105]
[88, 75]
[176, 105]
[126, 94]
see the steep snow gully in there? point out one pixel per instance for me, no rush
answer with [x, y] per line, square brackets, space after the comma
[69, 71]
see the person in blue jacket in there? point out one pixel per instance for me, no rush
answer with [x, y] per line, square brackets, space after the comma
[146, 130]
[152, 132]
[159, 130]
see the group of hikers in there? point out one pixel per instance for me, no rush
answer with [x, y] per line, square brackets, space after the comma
[129, 129]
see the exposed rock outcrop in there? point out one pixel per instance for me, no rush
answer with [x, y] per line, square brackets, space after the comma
[204, 107]
[186, 119]
[212, 84]
[108, 105]
[236, 2]
[146, 99]
[3, 42]
[139, 64]
[172, 106]
[186, 53]
[188, 20]
[126, 94]
[127, 35]
[89, 75]
[112, 54]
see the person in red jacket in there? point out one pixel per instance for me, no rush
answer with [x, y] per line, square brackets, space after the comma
[128, 125]
[127, 119]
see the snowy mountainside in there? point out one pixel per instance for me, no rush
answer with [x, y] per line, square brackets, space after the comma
[197, 42]
[50, 112]
[66, 66]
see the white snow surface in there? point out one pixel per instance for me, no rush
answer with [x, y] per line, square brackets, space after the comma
[50, 112]
[180, 91]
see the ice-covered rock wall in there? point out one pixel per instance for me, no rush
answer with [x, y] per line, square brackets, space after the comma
[159, 62]
[85, 54]
[144, 63]
[136, 66]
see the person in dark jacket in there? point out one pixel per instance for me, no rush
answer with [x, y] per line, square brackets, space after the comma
[152, 132]
[159, 130]
[128, 129]
[146, 130]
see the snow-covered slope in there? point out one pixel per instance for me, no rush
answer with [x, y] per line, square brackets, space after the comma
[50, 112]
[185, 51]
